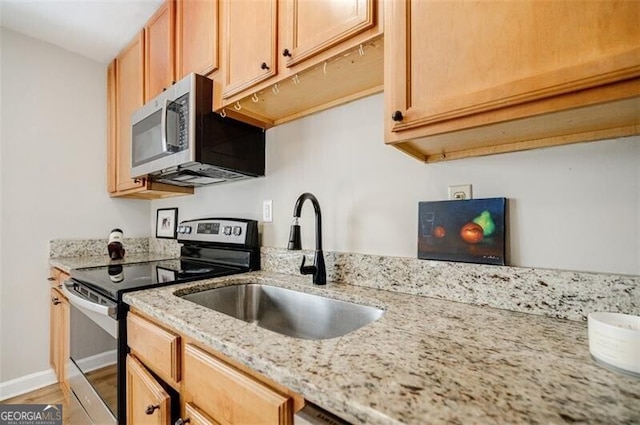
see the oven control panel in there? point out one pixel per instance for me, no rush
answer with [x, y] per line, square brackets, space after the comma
[218, 230]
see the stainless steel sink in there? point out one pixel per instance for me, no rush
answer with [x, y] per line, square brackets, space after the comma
[287, 312]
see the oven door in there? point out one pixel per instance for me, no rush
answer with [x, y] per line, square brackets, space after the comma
[93, 343]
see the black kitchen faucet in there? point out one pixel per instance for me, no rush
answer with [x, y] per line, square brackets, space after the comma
[318, 270]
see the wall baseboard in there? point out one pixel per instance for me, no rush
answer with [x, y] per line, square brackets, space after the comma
[89, 364]
[25, 384]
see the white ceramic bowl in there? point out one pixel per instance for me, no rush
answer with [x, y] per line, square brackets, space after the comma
[614, 340]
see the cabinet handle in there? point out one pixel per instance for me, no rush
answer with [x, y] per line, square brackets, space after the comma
[51, 279]
[181, 421]
[286, 53]
[397, 116]
[137, 180]
[264, 65]
[150, 408]
[55, 301]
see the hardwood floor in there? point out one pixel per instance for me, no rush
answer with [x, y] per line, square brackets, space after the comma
[103, 379]
[52, 394]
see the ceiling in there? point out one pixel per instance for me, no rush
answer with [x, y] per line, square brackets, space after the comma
[97, 29]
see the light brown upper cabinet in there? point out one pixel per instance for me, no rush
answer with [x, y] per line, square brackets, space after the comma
[112, 129]
[196, 37]
[311, 27]
[283, 59]
[249, 43]
[159, 50]
[475, 78]
[129, 96]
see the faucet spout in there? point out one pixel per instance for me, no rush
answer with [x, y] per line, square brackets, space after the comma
[318, 269]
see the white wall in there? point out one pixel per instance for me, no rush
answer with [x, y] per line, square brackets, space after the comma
[53, 184]
[572, 207]
[1, 206]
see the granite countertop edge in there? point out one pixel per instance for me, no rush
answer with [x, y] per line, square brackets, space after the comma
[425, 357]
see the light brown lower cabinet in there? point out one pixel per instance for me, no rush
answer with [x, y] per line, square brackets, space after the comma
[212, 390]
[195, 416]
[158, 348]
[228, 395]
[147, 401]
[58, 328]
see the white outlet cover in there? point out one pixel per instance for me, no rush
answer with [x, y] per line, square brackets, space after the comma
[461, 191]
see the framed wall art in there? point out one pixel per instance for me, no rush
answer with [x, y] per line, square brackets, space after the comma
[166, 223]
[470, 231]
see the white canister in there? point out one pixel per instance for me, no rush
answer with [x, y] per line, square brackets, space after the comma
[614, 339]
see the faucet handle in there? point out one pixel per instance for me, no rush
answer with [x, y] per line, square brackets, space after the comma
[306, 269]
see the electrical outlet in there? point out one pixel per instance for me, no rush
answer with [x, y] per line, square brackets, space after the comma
[267, 211]
[461, 191]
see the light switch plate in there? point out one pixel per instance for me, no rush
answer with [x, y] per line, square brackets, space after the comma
[267, 211]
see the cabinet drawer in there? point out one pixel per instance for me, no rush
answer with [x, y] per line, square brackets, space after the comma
[230, 396]
[158, 348]
[197, 416]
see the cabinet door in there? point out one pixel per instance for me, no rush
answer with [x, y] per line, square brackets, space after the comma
[228, 395]
[147, 401]
[250, 43]
[452, 59]
[196, 37]
[112, 185]
[58, 334]
[159, 40]
[312, 27]
[129, 97]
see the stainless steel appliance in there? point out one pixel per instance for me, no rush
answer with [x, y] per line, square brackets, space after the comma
[211, 247]
[176, 138]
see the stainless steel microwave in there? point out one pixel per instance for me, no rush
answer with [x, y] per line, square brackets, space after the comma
[176, 138]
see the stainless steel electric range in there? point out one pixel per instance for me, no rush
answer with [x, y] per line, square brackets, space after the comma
[212, 247]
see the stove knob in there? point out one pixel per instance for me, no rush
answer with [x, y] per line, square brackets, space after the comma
[187, 229]
[237, 230]
[227, 230]
[180, 229]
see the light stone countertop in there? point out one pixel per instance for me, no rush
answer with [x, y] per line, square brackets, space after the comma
[424, 361]
[67, 263]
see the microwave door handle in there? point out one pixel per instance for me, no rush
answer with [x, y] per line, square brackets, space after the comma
[163, 125]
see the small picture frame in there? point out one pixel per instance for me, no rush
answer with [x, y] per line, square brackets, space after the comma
[166, 223]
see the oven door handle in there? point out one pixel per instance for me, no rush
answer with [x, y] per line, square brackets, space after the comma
[80, 301]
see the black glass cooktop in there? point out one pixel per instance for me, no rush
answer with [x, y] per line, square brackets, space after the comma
[112, 281]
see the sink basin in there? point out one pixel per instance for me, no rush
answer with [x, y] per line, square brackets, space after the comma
[287, 312]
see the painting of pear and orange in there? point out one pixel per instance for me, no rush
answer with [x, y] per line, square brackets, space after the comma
[470, 231]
